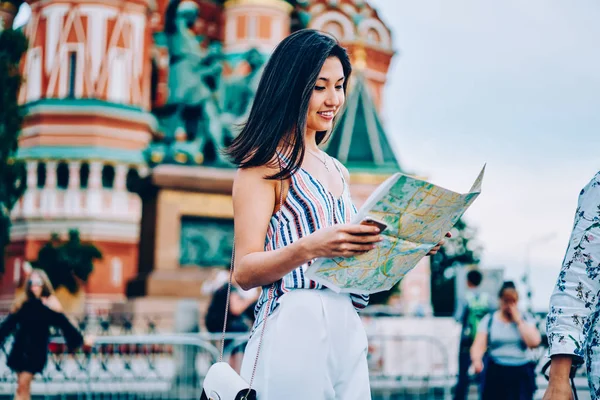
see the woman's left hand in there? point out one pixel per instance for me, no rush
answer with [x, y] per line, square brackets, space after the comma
[88, 340]
[439, 245]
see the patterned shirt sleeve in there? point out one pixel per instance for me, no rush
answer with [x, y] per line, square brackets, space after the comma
[577, 289]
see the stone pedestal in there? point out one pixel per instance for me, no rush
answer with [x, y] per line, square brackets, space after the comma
[186, 231]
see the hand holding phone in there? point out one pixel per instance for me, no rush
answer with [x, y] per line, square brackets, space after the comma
[373, 222]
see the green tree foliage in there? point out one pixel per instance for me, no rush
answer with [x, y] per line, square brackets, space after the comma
[67, 264]
[459, 251]
[12, 173]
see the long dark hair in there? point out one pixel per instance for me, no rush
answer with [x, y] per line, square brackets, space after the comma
[278, 113]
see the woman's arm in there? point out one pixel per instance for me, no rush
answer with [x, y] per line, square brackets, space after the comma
[529, 333]
[73, 337]
[478, 349]
[254, 201]
[238, 304]
[559, 387]
[253, 206]
[9, 324]
[53, 303]
[578, 284]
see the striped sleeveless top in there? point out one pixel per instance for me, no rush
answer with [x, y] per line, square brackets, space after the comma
[308, 206]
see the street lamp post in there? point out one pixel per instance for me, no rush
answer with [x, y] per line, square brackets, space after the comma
[527, 270]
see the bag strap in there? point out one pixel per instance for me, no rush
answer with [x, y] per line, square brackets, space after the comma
[490, 328]
[270, 296]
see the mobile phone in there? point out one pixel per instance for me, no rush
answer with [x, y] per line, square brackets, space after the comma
[373, 222]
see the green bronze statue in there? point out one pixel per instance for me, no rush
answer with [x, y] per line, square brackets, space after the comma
[191, 106]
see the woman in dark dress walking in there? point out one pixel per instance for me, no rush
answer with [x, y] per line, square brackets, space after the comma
[30, 321]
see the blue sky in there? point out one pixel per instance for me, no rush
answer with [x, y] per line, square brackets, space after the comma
[514, 84]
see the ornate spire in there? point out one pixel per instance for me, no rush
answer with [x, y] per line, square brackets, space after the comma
[359, 139]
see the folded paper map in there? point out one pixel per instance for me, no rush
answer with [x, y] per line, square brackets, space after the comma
[418, 215]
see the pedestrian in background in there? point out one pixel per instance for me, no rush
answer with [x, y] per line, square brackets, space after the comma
[30, 321]
[240, 317]
[573, 323]
[470, 312]
[501, 350]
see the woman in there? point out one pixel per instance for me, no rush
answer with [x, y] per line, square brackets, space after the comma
[291, 205]
[30, 320]
[504, 337]
[573, 322]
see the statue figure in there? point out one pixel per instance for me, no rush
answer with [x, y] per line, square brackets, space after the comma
[237, 92]
[194, 76]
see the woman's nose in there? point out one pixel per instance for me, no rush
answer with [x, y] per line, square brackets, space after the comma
[332, 100]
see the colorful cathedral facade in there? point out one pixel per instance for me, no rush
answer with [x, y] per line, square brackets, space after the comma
[105, 86]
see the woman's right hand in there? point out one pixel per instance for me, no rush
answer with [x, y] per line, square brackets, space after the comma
[342, 240]
[477, 366]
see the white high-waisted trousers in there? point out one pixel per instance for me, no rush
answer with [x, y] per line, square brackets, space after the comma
[314, 348]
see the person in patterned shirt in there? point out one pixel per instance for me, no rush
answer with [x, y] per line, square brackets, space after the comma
[573, 322]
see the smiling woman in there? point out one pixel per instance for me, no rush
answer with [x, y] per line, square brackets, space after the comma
[289, 209]
[319, 95]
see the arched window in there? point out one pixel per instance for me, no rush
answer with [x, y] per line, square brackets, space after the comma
[132, 180]
[84, 175]
[62, 175]
[108, 176]
[41, 175]
[116, 271]
[373, 37]
[334, 28]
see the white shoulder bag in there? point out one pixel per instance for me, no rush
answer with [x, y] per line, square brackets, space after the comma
[221, 381]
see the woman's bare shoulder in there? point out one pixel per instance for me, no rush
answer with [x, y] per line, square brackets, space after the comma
[254, 176]
[53, 303]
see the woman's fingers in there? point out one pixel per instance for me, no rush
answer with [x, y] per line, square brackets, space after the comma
[355, 248]
[356, 233]
[363, 239]
[358, 229]
[352, 249]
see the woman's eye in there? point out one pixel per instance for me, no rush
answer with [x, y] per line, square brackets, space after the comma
[339, 87]
[319, 88]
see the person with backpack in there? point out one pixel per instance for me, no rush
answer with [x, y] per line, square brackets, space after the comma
[501, 351]
[475, 306]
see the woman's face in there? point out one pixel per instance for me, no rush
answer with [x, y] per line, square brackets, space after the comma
[509, 298]
[36, 285]
[327, 97]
